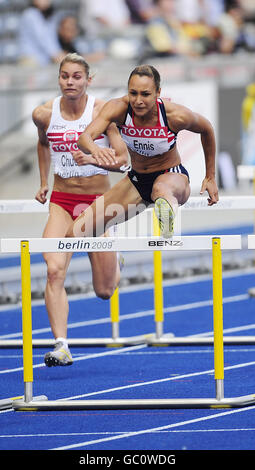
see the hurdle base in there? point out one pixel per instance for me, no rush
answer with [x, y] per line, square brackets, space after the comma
[79, 342]
[129, 404]
[165, 340]
[7, 403]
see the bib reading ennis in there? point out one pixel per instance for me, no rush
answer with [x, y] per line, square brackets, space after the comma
[148, 141]
[63, 136]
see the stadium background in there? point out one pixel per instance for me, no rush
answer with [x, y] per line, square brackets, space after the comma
[215, 83]
[22, 88]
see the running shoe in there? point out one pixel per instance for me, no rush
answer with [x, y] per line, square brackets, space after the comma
[165, 215]
[60, 356]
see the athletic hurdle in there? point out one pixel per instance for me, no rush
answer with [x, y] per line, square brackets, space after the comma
[32, 206]
[247, 172]
[158, 337]
[214, 244]
[231, 203]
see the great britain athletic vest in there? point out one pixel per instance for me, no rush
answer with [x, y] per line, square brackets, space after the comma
[148, 141]
[63, 136]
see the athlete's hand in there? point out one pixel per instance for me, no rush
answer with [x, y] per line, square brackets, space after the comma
[105, 156]
[82, 158]
[100, 156]
[41, 194]
[209, 185]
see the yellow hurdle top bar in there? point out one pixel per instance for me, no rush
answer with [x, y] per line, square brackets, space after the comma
[185, 243]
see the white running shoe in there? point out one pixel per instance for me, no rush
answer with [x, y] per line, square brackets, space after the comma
[60, 356]
[165, 215]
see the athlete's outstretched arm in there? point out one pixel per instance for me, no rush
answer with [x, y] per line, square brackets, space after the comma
[118, 149]
[112, 112]
[183, 118]
[118, 145]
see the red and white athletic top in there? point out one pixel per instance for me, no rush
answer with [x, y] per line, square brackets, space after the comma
[63, 136]
[148, 141]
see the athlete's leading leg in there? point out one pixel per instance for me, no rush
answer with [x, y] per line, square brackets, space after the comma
[169, 191]
[115, 206]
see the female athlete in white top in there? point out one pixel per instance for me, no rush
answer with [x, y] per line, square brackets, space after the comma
[60, 123]
[149, 126]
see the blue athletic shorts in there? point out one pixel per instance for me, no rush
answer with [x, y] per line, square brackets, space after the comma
[144, 181]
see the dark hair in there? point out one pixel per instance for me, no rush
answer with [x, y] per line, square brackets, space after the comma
[230, 4]
[149, 71]
[75, 58]
[46, 12]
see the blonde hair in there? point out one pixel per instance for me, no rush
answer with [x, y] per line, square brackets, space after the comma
[75, 58]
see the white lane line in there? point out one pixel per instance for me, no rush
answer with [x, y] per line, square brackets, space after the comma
[152, 430]
[156, 381]
[173, 352]
[107, 433]
[150, 382]
[145, 313]
[81, 358]
[111, 433]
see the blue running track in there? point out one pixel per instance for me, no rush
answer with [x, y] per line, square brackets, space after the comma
[136, 371]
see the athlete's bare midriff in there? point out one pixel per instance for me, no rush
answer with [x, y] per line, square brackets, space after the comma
[96, 184]
[143, 164]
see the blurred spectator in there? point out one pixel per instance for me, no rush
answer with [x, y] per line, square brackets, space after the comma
[164, 32]
[212, 9]
[37, 37]
[168, 35]
[193, 16]
[71, 40]
[100, 16]
[233, 33]
[141, 11]
[190, 11]
[230, 28]
[68, 32]
[248, 7]
[111, 21]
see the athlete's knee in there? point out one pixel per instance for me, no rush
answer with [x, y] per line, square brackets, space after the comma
[159, 189]
[176, 190]
[104, 292]
[55, 272]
